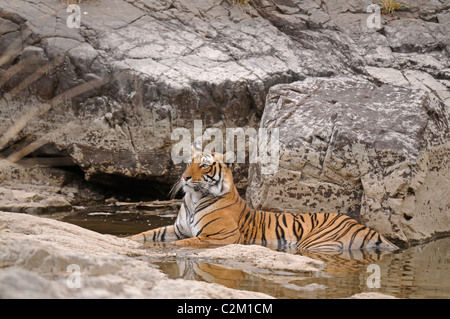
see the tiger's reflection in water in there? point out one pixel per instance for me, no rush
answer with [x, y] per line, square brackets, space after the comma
[208, 272]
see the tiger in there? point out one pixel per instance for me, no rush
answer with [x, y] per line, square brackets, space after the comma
[212, 212]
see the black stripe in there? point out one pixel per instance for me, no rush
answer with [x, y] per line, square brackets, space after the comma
[354, 235]
[338, 227]
[225, 206]
[328, 230]
[297, 228]
[319, 235]
[208, 213]
[313, 224]
[201, 218]
[178, 231]
[203, 227]
[263, 229]
[279, 231]
[211, 167]
[205, 204]
[241, 215]
[210, 176]
[284, 220]
[370, 232]
[379, 241]
[255, 227]
[222, 232]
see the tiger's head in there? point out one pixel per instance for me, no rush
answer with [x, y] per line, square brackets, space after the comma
[206, 173]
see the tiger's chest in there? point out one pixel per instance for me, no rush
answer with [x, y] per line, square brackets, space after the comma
[189, 219]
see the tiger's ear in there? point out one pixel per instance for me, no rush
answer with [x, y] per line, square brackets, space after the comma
[228, 165]
[228, 159]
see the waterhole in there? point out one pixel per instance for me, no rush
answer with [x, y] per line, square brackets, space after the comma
[421, 271]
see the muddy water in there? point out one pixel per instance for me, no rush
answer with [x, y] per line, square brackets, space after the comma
[422, 271]
[119, 223]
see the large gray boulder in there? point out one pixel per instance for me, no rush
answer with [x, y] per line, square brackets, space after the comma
[377, 153]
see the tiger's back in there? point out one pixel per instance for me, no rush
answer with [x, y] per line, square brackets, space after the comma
[315, 231]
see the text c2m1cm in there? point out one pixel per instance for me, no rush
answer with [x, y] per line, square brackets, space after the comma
[226, 308]
[246, 308]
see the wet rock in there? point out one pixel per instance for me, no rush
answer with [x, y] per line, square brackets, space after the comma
[63, 236]
[371, 295]
[243, 256]
[190, 289]
[375, 153]
[41, 258]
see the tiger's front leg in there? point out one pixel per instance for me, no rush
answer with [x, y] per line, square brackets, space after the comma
[191, 241]
[162, 234]
[209, 240]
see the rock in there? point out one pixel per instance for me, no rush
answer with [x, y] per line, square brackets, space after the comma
[388, 75]
[39, 190]
[262, 258]
[419, 79]
[377, 154]
[166, 66]
[32, 202]
[401, 35]
[155, 86]
[63, 236]
[371, 295]
[189, 289]
[310, 287]
[42, 258]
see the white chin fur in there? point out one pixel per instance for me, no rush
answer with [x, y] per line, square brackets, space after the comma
[216, 190]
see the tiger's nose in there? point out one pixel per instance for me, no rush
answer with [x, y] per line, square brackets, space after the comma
[186, 177]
